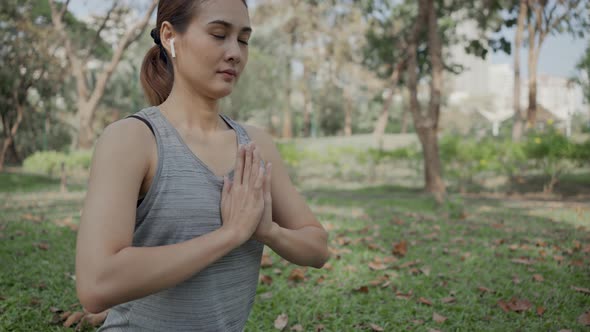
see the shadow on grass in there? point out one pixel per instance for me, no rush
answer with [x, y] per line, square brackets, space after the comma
[569, 185]
[22, 182]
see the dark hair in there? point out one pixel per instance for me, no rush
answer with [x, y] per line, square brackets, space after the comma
[157, 74]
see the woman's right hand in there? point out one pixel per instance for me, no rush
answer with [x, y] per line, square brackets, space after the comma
[242, 201]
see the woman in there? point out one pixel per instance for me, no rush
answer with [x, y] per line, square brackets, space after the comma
[186, 255]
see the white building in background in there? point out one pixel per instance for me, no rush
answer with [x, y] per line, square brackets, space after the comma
[483, 80]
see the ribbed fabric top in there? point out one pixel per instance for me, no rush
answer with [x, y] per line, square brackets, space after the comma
[182, 203]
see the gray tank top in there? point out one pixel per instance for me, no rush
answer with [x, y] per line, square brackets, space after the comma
[182, 203]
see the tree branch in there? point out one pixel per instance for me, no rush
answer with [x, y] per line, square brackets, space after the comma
[96, 38]
[130, 35]
[64, 9]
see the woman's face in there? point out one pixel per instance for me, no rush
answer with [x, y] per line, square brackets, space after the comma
[212, 53]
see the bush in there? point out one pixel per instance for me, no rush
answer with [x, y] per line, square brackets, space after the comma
[49, 162]
[292, 158]
[463, 158]
[553, 153]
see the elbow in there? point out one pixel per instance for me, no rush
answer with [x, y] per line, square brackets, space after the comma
[324, 254]
[91, 298]
[321, 260]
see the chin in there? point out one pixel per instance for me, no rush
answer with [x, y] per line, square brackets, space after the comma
[221, 92]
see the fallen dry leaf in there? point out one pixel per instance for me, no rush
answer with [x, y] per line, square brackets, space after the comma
[362, 289]
[297, 274]
[540, 311]
[374, 246]
[448, 299]
[375, 266]
[424, 301]
[375, 327]
[485, 289]
[438, 318]
[297, 327]
[409, 264]
[319, 327]
[558, 259]
[350, 268]
[516, 305]
[281, 321]
[538, 277]
[30, 217]
[266, 260]
[524, 261]
[266, 295]
[320, 279]
[584, 319]
[404, 296]
[581, 290]
[265, 279]
[42, 245]
[400, 249]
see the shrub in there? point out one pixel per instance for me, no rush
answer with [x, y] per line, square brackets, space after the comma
[49, 162]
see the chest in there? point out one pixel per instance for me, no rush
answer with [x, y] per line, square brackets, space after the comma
[216, 152]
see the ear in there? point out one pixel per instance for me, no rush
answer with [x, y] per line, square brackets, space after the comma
[168, 33]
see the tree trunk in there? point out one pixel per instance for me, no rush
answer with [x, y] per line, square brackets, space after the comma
[432, 165]
[426, 124]
[287, 116]
[534, 29]
[404, 121]
[381, 122]
[307, 101]
[347, 115]
[85, 131]
[287, 124]
[11, 132]
[518, 116]
[532, 109]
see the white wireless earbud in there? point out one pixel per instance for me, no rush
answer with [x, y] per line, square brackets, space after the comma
[172, 48]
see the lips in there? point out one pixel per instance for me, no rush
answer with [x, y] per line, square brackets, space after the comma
[229, 72]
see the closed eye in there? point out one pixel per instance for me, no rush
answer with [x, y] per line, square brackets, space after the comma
[221, 37]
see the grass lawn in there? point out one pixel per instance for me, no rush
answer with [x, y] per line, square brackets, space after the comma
[398, 262]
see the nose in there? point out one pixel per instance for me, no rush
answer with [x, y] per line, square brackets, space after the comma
[233, 52]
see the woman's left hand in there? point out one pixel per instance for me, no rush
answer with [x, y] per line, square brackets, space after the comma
[266, 225]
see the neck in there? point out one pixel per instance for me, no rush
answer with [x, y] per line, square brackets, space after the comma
[188, 110]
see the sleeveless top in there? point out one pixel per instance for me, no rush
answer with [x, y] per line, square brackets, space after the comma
[183, 202]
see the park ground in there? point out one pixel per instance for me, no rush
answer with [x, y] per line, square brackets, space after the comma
[398, 261]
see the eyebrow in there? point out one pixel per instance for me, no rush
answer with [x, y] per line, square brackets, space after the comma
[229, 25]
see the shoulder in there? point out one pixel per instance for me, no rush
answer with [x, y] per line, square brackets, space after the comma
[127, 132]
[126, 140]
[259, 136]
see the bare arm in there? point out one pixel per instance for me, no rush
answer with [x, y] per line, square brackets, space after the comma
[292, 231]
[109, 270]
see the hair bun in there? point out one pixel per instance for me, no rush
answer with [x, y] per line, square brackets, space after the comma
[156, 36]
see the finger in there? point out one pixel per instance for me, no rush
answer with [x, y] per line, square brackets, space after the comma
[225, 190]
[247, 165]
[255, 165]
[267, 179]
[227, 184]
[239, 168]
[259, 178]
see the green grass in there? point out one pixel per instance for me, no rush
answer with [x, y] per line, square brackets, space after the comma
[14, 182]
[457, 248]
